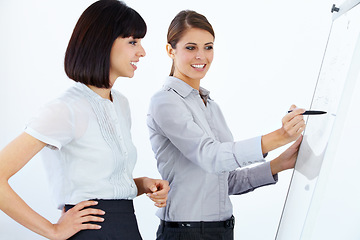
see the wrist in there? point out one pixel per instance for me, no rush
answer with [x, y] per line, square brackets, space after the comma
[53, 232]
[276, 166]
[271, 141]
[141, 185]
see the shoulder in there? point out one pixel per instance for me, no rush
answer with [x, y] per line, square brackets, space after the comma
[166, 96]
[70, 103]
[165, 100]
[121, 102]
[119, 95]
[73, 96]
[166, 105]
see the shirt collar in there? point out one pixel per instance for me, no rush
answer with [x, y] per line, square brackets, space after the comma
[182, 88]
[90, 93]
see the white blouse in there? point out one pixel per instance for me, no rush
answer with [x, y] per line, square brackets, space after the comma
[92, 155]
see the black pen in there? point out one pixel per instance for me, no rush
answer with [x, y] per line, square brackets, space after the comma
[311, 112]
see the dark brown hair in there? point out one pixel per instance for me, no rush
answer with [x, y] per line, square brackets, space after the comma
[87, 57]
[183, 21]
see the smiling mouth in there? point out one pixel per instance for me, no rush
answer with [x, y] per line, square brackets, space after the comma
[133, 63]
[198, 66]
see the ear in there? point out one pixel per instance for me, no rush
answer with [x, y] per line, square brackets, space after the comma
[170, 51]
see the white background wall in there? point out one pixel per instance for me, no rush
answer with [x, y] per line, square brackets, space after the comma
[267, 56]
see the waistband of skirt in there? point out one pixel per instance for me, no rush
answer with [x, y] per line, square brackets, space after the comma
[110, 205]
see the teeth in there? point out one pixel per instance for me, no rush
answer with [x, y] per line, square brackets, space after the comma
[198, 65]
[133, 63]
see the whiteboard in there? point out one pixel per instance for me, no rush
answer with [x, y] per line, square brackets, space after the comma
[322, 202]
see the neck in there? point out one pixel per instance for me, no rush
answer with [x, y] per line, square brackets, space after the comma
[102, 92]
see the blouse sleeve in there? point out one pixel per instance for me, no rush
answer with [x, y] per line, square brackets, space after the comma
[53, 125]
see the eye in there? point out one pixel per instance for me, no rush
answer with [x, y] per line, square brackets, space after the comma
[209, 47]
[190, 47]
[133, 42]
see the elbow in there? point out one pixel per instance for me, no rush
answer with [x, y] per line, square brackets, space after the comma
[4, 179]
[216, 168]
[4, 184]
[4, 187]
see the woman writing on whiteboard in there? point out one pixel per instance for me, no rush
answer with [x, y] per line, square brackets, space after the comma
[88, 130]
[194, 148]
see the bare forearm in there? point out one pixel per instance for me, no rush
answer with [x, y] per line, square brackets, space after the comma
[12, 205]
[12, 158]
[272, 141]
[275, 166]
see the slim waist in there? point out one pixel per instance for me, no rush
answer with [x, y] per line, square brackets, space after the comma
[110, 205]
[218, 224]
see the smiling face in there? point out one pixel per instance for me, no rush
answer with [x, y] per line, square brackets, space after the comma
[193, 55]
[125, 54]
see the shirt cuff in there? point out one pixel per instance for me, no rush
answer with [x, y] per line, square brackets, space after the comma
[264, 175]
[248, 151]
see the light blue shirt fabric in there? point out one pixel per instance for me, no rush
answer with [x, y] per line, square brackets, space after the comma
[197, 154]
[92, 154]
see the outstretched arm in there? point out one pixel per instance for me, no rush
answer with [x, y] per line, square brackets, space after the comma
[248, 179]
[12, 158]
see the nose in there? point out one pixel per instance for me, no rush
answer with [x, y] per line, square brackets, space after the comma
[199, 54]
[141, 52]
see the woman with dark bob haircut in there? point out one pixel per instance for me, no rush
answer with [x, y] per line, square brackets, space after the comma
[90, 156]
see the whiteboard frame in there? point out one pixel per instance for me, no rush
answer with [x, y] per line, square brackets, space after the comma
[318, 194]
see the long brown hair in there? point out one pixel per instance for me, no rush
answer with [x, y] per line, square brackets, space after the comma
[183, 21]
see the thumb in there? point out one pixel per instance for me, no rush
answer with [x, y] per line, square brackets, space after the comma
[153, 188]
[293, 106]
[298, 141]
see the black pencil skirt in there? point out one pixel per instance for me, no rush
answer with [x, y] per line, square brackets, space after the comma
[120, 222]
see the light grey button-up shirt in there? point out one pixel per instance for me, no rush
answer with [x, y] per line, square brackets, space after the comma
[197, 154]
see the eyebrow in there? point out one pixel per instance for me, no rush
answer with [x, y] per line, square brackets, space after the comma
[196, 44]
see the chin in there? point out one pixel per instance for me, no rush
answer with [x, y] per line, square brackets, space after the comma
[130, 75]
[200, 76]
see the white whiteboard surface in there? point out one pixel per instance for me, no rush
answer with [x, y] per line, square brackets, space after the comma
[322, 201]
